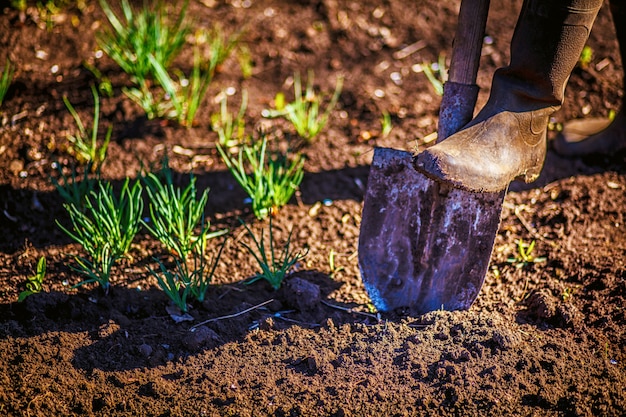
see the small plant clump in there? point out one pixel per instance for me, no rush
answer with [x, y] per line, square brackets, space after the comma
[35, 282]
[176, 213]
[220, 45]
[143, 38]
[442, 73]
[274, 266]
[525, 256]
[186, 95]
[230, 128]
[85, 143]
[272, 181]
[190, 278]
[105, 229]
[304, 112]
[145, 44]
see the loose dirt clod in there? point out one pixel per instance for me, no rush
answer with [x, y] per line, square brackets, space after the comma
[301, 294]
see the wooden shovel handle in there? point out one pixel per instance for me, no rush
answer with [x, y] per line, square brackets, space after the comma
[460, 91]
[468, 41]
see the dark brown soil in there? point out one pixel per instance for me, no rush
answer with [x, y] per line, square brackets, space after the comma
[544, 339]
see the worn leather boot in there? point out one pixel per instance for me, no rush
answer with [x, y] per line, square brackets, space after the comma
[598, 135]
[507, 139]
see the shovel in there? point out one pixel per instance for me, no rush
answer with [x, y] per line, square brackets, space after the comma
[425, 245]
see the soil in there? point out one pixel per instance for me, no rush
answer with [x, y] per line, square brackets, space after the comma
[544, 338]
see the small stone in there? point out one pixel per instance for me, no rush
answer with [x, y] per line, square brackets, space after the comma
[145, 350]
[200, 337]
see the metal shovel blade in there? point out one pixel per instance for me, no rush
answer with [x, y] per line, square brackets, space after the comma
[425, 245]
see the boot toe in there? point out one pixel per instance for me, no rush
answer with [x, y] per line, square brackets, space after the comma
[461, 172]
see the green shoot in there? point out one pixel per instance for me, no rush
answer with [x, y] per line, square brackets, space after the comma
[107, 220]
[436, 81]
[142, 36]
[153, 105]
[199, 283]
[304, 112]
[173, 283]
[175, 214]
[35, 282]
[104, 83]
[385, 124]
[274, 266]
[75, 192]
[85, 147]
[186, 96]
[99, 269]
[189, 278]
[6, 79]
[230, 130]
[220, 46]
[271, 183]
[19, 5]
[245, 62]
[524, 256]
[334, 269]
[586, 56]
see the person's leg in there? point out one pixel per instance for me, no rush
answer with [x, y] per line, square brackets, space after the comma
[507, 139]
[597, 135]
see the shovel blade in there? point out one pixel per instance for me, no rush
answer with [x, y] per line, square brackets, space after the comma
[424, 245]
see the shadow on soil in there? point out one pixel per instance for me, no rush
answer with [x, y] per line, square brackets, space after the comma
[129, 329]
[225, 196]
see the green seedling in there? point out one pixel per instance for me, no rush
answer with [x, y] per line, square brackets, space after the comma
[279, 101]
[568, 293]
[19, 5]
[154, 105]
[334, 269]
[220, 45]
[272, 181]
[385, 124]
[34, 283]
[304, 112]
[85, 143]
[442, 74]
[586, 56]
[97, 270]
[245, 61]
[72, 190]
[230, 128]
[190, 278]
[199, 282]
[274, 266]
[6, 79]
[173, 283]
[175, 214]
[524, 256]
[143, 36]
[185, 96]
[104, 84]
[107, 220]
